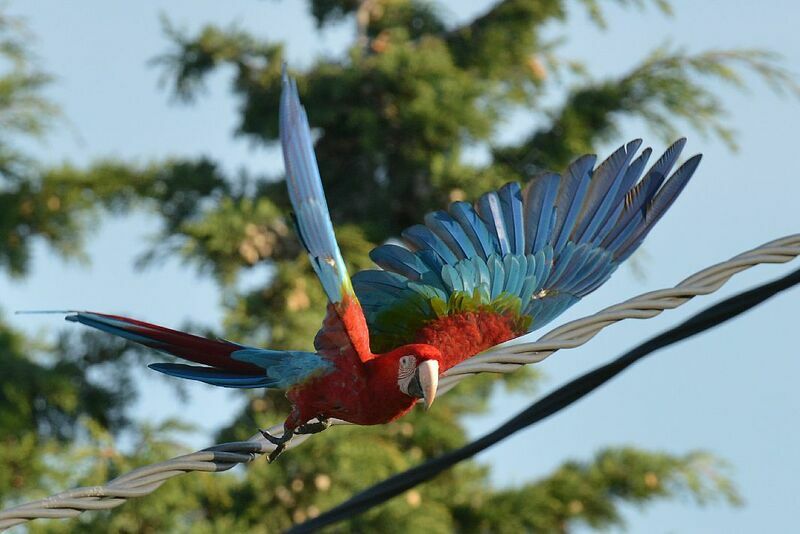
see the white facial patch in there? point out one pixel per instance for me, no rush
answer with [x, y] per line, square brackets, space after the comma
[405, 372]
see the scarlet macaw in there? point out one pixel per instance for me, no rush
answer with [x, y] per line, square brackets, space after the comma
[469, 278]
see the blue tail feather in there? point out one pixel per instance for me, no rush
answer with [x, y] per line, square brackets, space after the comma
[281, 369]
[213, 376]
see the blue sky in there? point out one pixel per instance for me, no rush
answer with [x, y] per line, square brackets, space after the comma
[731, 391]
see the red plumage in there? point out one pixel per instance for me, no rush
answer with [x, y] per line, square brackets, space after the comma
[465, 334]
[363, 388]
[214, 353]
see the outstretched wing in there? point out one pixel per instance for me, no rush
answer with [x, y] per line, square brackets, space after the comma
[522, 254]
[344, 327]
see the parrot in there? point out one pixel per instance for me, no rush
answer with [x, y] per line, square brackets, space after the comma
[470, 277]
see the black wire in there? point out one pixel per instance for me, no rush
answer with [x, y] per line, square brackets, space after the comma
[548, 405]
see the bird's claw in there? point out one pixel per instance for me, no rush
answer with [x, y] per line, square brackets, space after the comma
[279, 442]
[313, 428]
[275, 440]
[277, 452]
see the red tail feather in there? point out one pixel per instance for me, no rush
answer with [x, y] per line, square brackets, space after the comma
[187, 346]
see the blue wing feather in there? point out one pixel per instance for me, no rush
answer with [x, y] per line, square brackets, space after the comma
[491, 211]
[511, 203]
[530, 283]
[404, 262]
[571, 194]
[643, 192]
[484, 242]
[633, 173]
[631, 176]
[497, 274]
[449, 231]
[541, 212]
[544, 264]
[659, 205]
[547, 247]
[307, 197]
[595, 278]
[422, 237]
[233, 365]
[603, 189]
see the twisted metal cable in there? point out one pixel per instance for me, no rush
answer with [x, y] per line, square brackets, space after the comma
[508, 357]
[502, 359]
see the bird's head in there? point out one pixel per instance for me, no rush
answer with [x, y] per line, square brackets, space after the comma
[417, 371]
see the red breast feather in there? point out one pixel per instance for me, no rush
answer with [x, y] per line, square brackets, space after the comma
[463, 335]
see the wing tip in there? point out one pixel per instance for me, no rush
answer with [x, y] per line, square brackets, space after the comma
[679, 144]
[290, 105]
[633, 145]
[289, 85]
[689, 166]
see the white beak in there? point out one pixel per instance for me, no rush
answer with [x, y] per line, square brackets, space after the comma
[428, 372]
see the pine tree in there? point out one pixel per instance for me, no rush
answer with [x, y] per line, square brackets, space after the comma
[395, 117]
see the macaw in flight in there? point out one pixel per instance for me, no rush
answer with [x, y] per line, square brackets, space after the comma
[471, 277]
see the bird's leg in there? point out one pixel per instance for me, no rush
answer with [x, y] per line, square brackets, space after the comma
[280, 442]
[313, 428]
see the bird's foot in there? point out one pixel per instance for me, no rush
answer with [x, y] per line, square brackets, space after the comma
[276, 440]
[279, 441]
[313, 428]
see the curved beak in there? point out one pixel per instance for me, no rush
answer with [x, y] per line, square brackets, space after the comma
[428, 375]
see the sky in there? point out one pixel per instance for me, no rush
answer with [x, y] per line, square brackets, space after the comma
[731, 390]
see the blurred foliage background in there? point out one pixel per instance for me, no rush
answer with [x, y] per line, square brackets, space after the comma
[394, 119]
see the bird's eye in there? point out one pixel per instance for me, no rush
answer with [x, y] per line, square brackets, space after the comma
[407, 361]
[405, 372]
